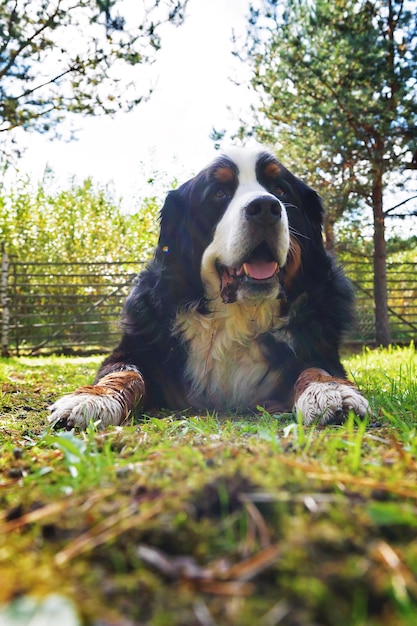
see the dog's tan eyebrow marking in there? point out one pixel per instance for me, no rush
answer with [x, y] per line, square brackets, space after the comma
[224, 174]
[272, 169]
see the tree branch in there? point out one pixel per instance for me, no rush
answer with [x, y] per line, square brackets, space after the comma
[14, 55]
[11, 18]
[400, 204]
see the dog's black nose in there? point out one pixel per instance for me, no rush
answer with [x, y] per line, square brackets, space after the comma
[263, 210]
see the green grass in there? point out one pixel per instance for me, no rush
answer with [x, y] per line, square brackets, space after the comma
[209, 519]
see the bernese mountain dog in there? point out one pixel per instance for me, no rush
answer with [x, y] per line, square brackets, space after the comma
[240, 307]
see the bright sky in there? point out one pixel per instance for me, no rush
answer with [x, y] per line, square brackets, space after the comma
[170, 132]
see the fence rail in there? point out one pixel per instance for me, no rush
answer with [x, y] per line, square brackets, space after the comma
[63, 307]
[402, 300]
[75, 307]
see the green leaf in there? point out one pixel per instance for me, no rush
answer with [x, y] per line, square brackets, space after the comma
[72, 446]
[392, 513]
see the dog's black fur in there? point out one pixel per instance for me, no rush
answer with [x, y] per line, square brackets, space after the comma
[206, 328]
[319, 298]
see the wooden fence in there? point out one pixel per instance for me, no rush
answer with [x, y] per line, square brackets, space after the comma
[75, 307]
[402, 300]
[62, 307]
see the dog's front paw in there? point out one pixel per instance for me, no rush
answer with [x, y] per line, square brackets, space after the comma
[106, 403]
[77, 410]
[326, 400]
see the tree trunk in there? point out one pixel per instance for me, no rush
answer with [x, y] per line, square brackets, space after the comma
[382, 329]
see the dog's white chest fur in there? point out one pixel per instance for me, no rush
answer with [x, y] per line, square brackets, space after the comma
[225, 365]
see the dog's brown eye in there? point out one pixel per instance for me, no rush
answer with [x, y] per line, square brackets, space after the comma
[220, 194]
[278, 191]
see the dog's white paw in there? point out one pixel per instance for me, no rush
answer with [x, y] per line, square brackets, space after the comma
[329, 402]
[77, 410]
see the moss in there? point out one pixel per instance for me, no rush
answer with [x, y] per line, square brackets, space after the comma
[243, 521]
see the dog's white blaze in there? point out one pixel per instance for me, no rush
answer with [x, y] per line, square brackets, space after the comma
[225, 365]
[232, 236]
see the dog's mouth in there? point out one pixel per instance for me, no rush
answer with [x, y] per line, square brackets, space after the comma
[256, 274]
[258, 270]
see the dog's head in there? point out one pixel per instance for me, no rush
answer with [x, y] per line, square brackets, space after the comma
[241, 229]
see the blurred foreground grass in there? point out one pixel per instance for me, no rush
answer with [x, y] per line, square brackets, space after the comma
[188, 519]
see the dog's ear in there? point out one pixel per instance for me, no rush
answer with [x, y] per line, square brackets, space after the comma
[312, 204]
[176, 247]
[172, 217]
[313, 208]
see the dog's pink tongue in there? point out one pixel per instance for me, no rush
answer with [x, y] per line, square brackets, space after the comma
[260, 270]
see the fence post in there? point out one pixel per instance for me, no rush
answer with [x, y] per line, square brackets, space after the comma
[4, 301]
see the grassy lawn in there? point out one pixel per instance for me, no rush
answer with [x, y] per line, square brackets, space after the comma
[193, 520]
